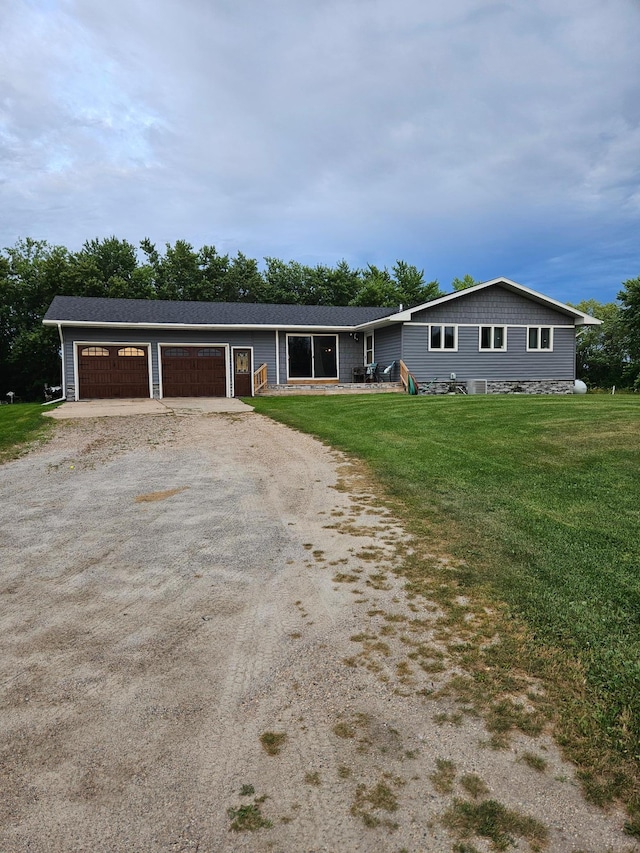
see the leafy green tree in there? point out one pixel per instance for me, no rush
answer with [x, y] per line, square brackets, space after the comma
[284, 283]
[300, 284]
[602, 358]
[412, 288]
[629, 296]
[108, 268]
[377, 288]
[405, 286]
[31, 273]
[213, 276]
[179, 272]
[464, 282]
[243, 282]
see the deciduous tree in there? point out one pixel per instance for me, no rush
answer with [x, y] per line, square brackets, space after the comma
[464, 282]
[629, 296]
[602, 358]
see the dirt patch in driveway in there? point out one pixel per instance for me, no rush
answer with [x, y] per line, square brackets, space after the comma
[205, 647]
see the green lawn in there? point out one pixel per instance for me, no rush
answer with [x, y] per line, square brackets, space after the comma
[19, 424]
[539, 497]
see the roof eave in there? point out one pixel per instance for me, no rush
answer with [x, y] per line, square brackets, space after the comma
[268, 327]
[374, 324]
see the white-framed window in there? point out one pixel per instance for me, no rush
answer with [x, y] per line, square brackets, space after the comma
[540, 338]
[368, 348]
[312, 356]
[443, 338]
[493, 338]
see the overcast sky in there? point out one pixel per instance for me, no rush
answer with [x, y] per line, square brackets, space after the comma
[490, 138]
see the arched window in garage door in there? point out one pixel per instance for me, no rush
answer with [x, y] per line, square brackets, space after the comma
[132, 351]
[176, 352]
[94, 351]
[210, 352]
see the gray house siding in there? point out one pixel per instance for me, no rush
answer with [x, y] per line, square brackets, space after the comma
[493, 305]
[387, 348]
[263, 344]
[469, 363]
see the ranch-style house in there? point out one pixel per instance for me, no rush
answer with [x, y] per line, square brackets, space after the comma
[495, 337]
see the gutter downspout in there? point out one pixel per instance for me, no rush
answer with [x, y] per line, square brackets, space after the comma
[64, 382]
[277, 357]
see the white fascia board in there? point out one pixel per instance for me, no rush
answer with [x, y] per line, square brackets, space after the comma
[581, 319]
[383, 321]
[256, 327]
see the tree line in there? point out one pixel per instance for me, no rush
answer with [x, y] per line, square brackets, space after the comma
[32, 272]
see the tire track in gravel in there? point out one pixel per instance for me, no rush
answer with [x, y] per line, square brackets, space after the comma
[172, 634]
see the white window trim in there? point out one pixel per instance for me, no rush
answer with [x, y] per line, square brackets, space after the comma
[312, 335]
[492, 348]
[373, 348]
[539, 348]
[442, 326]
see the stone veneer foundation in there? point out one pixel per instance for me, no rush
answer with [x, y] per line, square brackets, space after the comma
[509, 386]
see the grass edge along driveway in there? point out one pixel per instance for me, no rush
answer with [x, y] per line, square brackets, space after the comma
[530, 505]
[21, 424]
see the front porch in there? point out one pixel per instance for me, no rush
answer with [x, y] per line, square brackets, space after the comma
[262, 388]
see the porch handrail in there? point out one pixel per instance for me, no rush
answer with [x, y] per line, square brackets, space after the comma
[404, 374]
[260, 378]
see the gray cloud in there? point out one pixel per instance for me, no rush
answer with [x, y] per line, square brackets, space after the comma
[454, 135]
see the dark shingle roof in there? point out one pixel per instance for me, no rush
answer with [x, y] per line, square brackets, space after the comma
[88, 309]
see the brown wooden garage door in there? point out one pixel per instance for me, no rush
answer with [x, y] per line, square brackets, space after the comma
[113, 371]
[194, 372]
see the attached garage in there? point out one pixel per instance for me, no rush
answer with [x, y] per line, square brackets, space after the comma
[194, 371]
[118, 371]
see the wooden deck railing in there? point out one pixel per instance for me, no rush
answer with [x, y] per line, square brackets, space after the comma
[260, 378]
[404, 374]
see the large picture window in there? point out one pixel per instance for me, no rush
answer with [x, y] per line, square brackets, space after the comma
[312, 356]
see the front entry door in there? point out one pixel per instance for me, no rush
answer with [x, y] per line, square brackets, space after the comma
[242, 373]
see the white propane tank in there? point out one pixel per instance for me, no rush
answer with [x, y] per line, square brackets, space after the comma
[579, 387]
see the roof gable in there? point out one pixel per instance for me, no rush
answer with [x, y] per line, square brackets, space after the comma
[579, 318]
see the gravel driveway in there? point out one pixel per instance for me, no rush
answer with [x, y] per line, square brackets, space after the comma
[173, 588]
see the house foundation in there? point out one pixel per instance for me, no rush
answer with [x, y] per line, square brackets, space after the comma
[505, 386]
